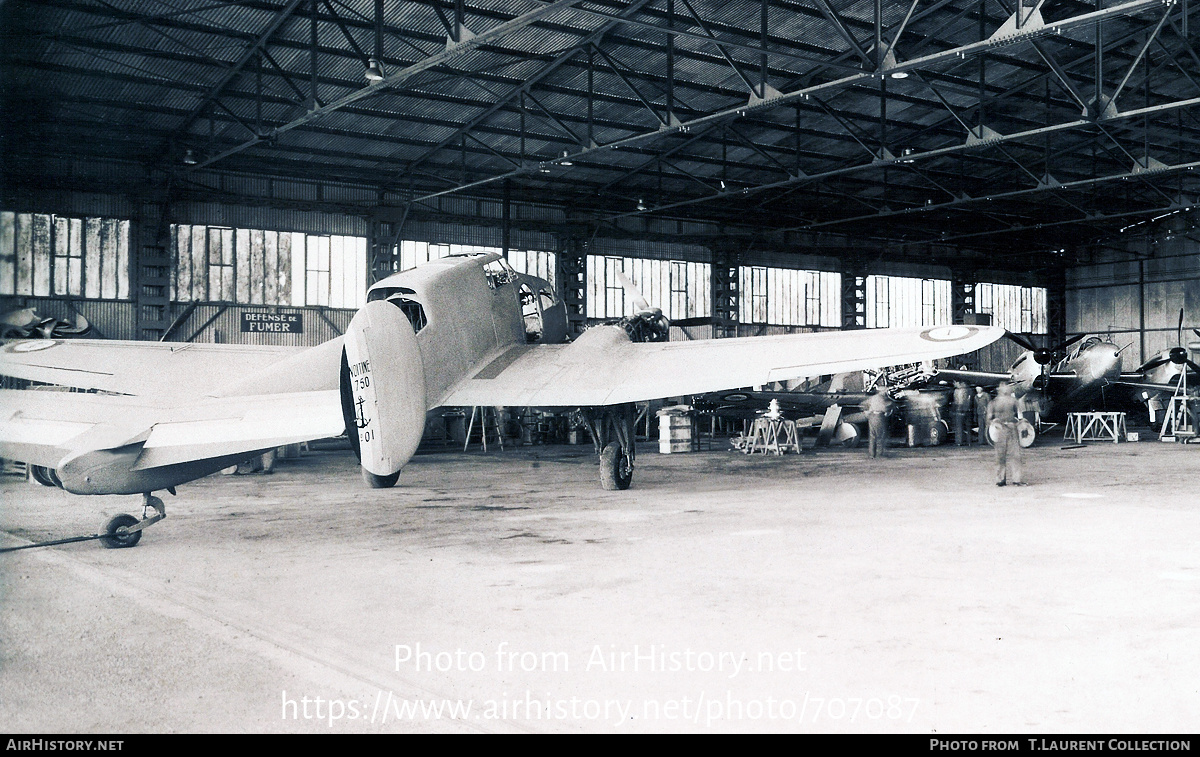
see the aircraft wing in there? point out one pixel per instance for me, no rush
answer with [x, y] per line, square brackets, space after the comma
[172, 369]
[974, 378]
[45, 427]
[602, 367]
[1146, 386]
[748, 404]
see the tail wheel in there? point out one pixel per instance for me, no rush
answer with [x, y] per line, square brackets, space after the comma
[616, 469]
[115, 537]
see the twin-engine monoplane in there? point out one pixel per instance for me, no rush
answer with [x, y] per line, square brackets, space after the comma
[464, 330]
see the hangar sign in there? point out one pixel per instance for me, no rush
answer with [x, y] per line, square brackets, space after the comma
[279, 323]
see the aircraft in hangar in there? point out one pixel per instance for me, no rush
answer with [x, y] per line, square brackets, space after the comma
[1072, 384]
[1159, 377]
[464, 330]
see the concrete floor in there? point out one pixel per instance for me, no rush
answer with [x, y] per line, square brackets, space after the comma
[821, 592]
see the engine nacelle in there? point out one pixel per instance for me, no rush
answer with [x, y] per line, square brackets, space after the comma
[383, 390]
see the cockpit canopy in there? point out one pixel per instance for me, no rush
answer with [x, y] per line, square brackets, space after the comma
[410, 307]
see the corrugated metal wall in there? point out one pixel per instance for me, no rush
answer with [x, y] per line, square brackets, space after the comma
[483, 236]
[274, 219]
[1137, 302]
[216, 323]
[210, 323]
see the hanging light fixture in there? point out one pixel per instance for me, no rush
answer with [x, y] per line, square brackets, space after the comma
[566, 159]
[641, 204]
[189, 157]
[374, 70]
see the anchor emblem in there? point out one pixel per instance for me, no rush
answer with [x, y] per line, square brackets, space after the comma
[360, 418]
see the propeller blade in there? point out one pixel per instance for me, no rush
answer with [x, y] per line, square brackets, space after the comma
[1192, 364]
[1179, 334]
[639, 302]
[1155, 363]
[1020, 341]
[1068, 343]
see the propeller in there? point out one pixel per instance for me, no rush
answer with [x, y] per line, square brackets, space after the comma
[648, 323]
[1043, 355]
[1177, 354]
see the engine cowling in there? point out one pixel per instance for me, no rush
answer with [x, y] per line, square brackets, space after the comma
[383, 391]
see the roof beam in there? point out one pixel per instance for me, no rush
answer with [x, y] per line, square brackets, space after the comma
[248, 55]
[952, 55]
[484, 37]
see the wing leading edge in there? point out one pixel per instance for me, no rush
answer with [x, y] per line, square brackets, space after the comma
[602, 367]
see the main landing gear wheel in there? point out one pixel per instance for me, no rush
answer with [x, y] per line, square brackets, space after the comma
[380, 482]
[616, 469]
[117, 534]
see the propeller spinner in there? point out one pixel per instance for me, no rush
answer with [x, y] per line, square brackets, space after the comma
[1043, 355]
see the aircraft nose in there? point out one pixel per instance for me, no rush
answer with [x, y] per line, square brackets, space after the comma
[1112, 360]
[383, 389]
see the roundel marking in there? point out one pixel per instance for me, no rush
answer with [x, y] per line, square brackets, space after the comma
[948, 333]
[33, 346]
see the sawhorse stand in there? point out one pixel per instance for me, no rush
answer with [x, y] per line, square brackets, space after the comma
[1101, 427]
[773, 435]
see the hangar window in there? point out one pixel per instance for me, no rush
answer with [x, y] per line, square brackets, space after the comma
[533, 262]
[898, 301]
[1016, 308]
[680, 288]
[260, 267]
[43, 255]
[788, 297]
[335, 271]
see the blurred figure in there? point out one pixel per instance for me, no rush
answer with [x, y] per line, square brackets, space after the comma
[982, 400]
[962, 409]
[877, 407]
[1004, 412]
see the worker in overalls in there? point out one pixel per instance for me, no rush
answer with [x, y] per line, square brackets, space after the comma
[877, 407]
[1004, 412]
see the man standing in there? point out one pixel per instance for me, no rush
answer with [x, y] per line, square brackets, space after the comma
[981, 411]
[962, 409]
[1003, 410]
[876, 408]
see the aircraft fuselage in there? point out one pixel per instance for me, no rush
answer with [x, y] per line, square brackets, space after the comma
[1079, 377]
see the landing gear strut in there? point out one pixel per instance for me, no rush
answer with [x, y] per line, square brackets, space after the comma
[124, 530]
[613, 435]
